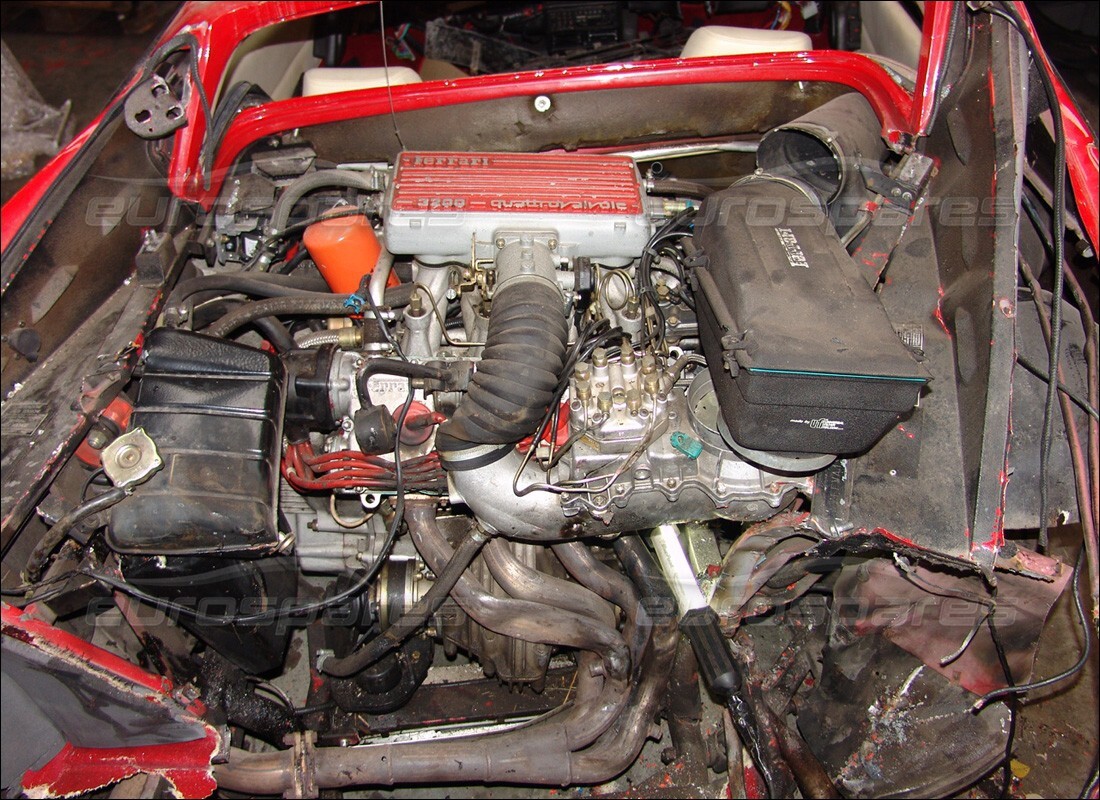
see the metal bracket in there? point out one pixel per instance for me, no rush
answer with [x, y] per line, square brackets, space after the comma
[906, 185]
[831, 506]
[155, 258]
[153, 111]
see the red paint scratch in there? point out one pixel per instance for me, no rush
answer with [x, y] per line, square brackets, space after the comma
[893, 537]
[938, 313]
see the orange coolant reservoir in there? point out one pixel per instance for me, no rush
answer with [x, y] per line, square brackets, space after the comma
[344, 250]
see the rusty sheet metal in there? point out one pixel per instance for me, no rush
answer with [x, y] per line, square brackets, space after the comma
[931, 613]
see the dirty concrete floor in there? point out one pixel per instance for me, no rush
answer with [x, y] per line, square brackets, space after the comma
[1058, 728]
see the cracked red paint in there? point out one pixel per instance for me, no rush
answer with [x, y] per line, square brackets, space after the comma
[26, 627]
[78, 770]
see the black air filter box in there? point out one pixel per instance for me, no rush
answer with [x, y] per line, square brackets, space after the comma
[803, 357]
[214, 409]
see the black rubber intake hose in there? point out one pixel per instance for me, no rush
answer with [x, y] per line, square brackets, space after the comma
[316, 305]
[311, 181]
[258, 285]
[515, 380]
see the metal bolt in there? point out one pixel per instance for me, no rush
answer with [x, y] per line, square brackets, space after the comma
[582, 372]
[542, 104]
[603, 402]
[500, 243]
[599, 357]
[552, 244]
[98, 439]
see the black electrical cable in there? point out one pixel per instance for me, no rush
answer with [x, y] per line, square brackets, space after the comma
[1086, 630]
[298, 227]
[302, 711]
[597, 333]
[364, 292]
[22, 589]
[60, 529]
[1011, 703]
[99, 473]
[293, 263]
[265, 244]
[1035, 370]
[679, 188]
[1009, 13]
[644, 287]
[274, 614]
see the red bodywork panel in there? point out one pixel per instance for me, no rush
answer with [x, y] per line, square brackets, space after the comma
[1082, 156]
[186, 764]
[220, 26]
[517, 182]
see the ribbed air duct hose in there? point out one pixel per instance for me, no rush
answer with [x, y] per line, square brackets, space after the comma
[520, 366]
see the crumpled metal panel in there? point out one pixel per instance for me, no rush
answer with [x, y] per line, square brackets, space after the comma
[115, 719]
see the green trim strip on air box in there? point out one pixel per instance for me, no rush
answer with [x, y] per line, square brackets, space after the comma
[804, 373]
